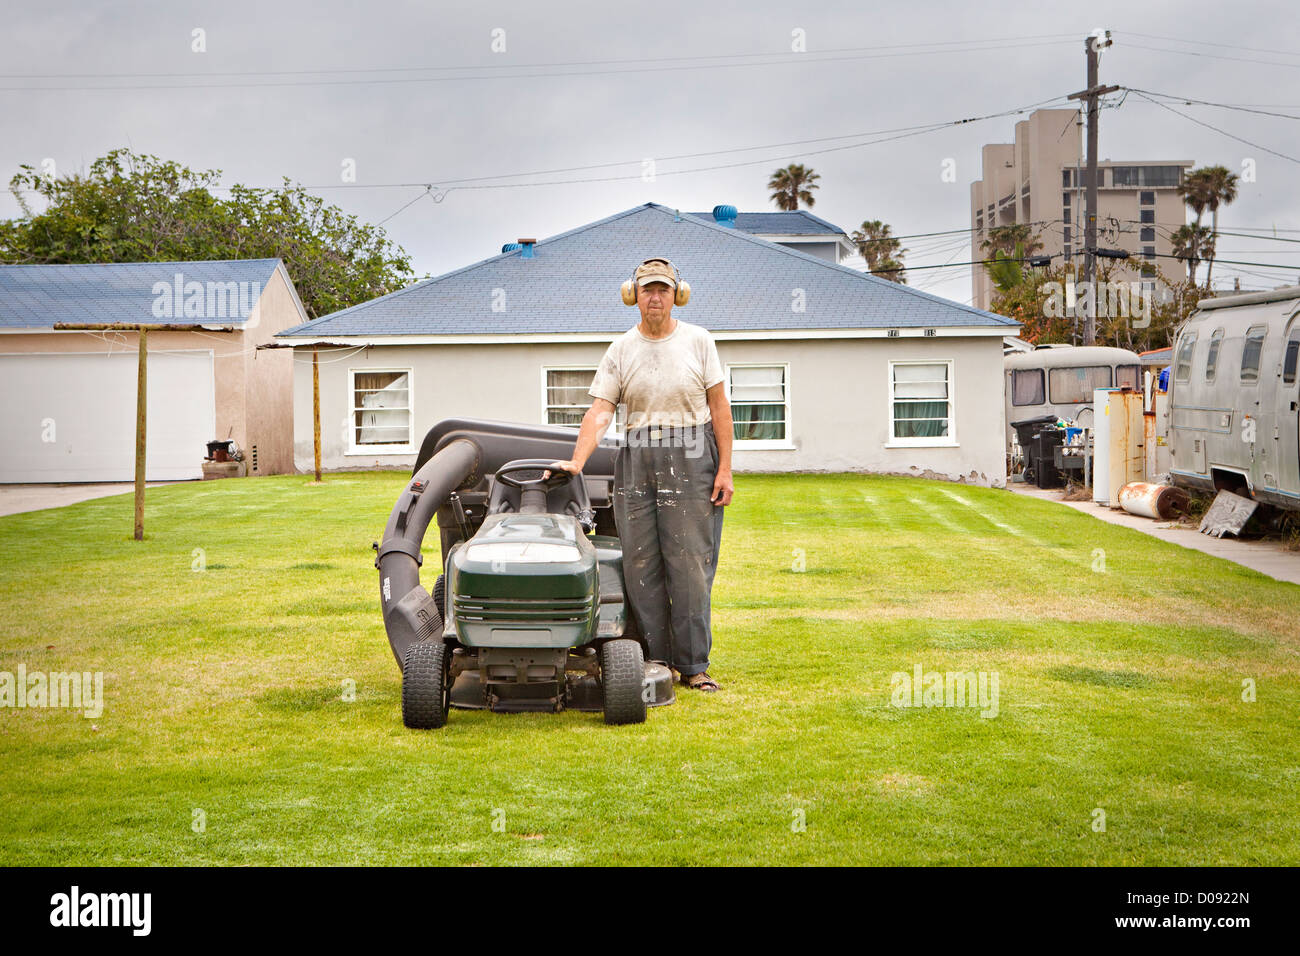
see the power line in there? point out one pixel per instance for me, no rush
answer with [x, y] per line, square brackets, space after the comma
[1212, 56]
[1225, 46]
[1217, 130]
[1226, 106]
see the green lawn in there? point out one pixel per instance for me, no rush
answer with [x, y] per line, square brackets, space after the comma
[1120, 664]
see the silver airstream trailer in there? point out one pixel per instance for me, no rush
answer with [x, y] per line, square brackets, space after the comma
[1060, 379]
[1234, 395]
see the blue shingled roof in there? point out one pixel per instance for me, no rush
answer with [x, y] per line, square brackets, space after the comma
[38, 296]
[799, 222]
[739, 282]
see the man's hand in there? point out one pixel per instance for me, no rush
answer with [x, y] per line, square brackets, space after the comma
[723, 489]
[572, 467]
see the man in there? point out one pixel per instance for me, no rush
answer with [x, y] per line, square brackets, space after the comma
[673, 473]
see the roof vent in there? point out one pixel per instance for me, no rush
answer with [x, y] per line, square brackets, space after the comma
[527, 246]
[511, 247]
[725, 216]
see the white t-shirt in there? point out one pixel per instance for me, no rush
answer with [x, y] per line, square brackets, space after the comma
[661, 381]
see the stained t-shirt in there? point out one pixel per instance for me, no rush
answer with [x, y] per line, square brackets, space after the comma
[661, 381]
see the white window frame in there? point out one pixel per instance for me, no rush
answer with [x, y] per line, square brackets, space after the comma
[615, 429]
[941, 441]
[766, 444]
[392, 448]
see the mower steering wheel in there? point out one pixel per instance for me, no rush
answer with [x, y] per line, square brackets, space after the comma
[555, 480]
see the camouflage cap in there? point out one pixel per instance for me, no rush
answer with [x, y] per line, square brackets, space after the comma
[656, 270]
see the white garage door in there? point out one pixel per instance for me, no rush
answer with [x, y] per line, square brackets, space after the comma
[71, 416]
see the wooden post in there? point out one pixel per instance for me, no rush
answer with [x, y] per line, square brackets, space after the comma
[315, 403]
[141, 411]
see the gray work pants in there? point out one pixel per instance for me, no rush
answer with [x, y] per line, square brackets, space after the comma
[671, 532]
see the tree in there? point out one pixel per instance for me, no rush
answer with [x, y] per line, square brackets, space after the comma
[882, 252]
[792, 185]
[1192, 243]
[1006, 238]
[1006, 270]
[134, 207]
[1221, 190]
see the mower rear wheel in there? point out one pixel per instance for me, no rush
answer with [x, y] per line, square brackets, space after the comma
[622, 674]
[425, 685]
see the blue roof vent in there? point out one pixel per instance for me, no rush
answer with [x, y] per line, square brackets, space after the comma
[527, 245]
[725, 216]
[511, 247]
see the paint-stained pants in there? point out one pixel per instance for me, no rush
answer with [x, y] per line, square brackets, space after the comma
[671, 532]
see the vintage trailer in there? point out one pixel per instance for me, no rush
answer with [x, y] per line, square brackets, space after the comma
[1060, 380]
[1234, 394]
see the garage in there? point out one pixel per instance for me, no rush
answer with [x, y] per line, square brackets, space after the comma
[70, 416]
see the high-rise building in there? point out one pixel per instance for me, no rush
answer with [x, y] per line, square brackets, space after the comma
[1039, 180]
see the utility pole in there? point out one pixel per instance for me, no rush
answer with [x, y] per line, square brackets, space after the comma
[1093, 45]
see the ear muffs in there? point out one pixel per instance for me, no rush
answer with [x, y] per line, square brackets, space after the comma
[681, 295]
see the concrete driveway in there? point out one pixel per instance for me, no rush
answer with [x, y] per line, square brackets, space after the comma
[18, 498]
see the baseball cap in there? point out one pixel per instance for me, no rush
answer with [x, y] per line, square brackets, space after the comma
[655, 270]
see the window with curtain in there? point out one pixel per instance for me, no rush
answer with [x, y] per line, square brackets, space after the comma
[1072, 386]
[1128, 375]
[381, 408]
[1027, 386]
[758, 402]
[921, 405]
[567, 399]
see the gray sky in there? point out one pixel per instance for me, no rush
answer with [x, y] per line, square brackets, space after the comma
[679, 82]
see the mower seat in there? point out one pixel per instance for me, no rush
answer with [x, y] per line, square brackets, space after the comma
[569, 498]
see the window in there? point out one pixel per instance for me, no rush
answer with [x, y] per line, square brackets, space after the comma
[1292, 355]
[1131, 176]
[760, 404]
[1068, 251]
[1065, 178]
[1148, 234]
[1183, 357]
[1067, 234]
[1065, 199]
[920, 402]
[566, 400]
[1251, 348]
[1073, 386]
[1128, 376]
[1146, 199]
[1027, 386]
[1212, 355]
[381, 412]
[1148, 252]
[1148, 215]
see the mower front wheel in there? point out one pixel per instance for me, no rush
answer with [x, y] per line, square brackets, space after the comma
[622, 675]
[425, 685]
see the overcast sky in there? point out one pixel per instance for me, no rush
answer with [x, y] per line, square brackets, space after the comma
[685, 78]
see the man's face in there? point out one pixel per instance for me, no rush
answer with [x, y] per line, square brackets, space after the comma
[655, 300]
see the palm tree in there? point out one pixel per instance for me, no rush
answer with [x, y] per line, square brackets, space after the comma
[1005, 268]
[1195, 191]
[1220, 189]
[1192, 242]
[1006, 238]
[793, 185]
[883, 253]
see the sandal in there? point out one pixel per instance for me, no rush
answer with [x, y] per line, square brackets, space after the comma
[701, 681]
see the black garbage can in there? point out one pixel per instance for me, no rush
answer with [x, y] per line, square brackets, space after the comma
[1045, 441]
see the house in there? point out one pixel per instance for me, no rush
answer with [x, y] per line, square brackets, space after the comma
[828, 368]
[70, 396]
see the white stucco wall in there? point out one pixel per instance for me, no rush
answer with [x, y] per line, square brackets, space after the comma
[838, 399]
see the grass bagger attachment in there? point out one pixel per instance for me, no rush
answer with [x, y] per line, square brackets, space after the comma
[529, 612]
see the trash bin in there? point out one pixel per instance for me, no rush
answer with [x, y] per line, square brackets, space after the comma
[1045, 470]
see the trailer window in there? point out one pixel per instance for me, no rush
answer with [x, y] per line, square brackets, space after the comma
[1251, 349]
[1212, 356]
[1183, 363]
[1072, 386]
[1128, 376]
[1027, 386]
[1292, 357]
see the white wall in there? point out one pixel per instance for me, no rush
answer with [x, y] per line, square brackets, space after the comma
[838, 393]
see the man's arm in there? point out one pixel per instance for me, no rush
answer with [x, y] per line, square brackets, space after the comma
[720, 413]
[594, 424]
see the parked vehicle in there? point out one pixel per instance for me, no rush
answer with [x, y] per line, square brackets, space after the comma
[1234, 396]
[1060, 380]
